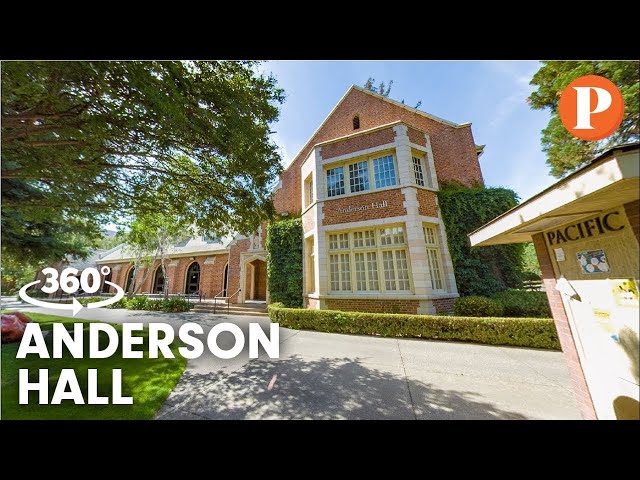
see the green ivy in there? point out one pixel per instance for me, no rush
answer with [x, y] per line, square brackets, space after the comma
[284, 261]
[480, 270]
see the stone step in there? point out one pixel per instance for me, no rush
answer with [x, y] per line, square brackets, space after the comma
[259, 310]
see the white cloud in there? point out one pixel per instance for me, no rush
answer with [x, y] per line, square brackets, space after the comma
[518, 74]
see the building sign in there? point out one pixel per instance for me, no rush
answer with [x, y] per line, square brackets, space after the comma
[588, 228]
[360, 208]
[593, 261]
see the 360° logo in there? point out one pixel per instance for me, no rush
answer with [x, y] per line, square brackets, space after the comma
[69, 283]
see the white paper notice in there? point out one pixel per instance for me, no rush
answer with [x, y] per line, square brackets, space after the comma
[559, 254]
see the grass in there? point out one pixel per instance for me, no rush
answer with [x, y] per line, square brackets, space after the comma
[148, 380]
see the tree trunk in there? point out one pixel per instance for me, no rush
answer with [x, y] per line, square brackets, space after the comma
[132, 285]
[146, 275]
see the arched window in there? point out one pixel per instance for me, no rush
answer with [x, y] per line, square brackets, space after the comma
[225, 280]
[106, 288]
[356, 122]
[129, 279]
[193, 278]
[158, 280]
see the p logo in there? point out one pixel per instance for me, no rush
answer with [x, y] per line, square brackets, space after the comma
[591, 107]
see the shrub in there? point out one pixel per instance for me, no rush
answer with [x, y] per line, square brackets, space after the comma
[520, 332]
[476, 306]
[520, 303]
[137, 303]
[284, 263]
[173, 305]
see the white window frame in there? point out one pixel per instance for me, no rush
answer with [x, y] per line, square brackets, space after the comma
[337, 246]
[434, 257]
[347, 164]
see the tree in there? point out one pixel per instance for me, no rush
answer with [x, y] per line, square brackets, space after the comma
[565, 153]
[87, 141]
[152, 234]
[381, 89]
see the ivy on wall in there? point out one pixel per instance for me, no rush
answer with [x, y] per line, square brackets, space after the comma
[284, 262]
[479, 270]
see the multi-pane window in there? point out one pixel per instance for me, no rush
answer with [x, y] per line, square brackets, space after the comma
[417, 171]
[396, 270]
[433, 258]
[392, 236]
[384, 171]
[359, 176]
[374, 255]
[308, 191]
[335, 181]
[339, 241]
[366, 238]
[340, 272]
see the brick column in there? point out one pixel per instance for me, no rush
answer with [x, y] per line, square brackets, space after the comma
[578, 380]
[633, 215]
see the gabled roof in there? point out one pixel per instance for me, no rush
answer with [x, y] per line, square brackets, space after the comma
[381, 97]
[193, 246]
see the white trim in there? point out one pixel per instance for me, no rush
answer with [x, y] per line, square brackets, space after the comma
[358, 153]
[420, 148]
[358, 133]
[563, 193]
[380, 296]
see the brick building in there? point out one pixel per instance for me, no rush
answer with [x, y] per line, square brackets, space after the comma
[365, 184]
[585, 229]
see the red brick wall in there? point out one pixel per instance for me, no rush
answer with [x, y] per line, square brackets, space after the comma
[578, 381]
[211, 275]
[427, 203]
[633, 214]
[360, 142]
[416, 136]
[454, 149]
[373, 306]
[444, 305]
[394, 199]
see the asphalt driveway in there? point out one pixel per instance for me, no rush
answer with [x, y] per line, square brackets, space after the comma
[332, 376]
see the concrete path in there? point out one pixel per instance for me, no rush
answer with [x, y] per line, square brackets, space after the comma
[331, 376]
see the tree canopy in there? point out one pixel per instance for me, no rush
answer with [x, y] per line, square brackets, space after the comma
[86, 141]
[564, 152]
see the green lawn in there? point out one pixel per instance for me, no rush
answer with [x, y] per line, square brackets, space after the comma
[148, 380]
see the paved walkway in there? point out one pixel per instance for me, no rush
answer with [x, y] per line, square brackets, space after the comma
[331, 376]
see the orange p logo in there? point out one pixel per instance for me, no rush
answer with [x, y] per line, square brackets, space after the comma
[591, 107]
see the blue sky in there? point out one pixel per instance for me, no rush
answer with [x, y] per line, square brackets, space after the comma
[489, 94]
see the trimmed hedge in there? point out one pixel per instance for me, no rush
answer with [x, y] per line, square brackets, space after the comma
[171, 305]
[521, 303]
[519, 332]
[476, 306]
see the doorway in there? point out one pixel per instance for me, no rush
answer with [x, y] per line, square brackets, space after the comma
[193, 279]
[256, 280]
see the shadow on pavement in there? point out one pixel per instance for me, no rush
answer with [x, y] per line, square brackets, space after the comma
[297, 388]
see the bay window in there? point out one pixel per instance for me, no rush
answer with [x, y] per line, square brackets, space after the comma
[369, 260]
